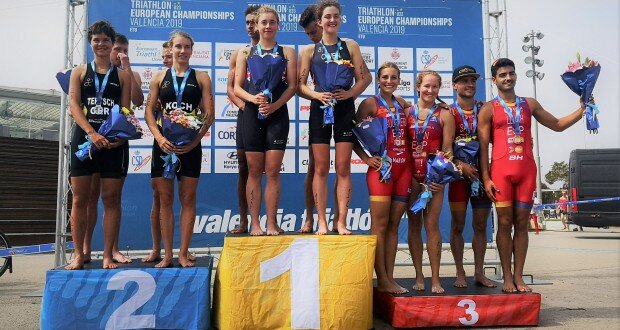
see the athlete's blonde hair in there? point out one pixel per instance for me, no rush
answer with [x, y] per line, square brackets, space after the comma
[180, 33]
[421, 75]
[388, 65]
[267, 10]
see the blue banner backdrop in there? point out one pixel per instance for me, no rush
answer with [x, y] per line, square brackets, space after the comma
[416, 35]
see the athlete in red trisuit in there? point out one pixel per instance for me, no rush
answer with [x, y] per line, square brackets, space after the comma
[511, 179]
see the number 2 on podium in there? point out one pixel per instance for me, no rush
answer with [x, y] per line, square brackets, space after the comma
[301, 258]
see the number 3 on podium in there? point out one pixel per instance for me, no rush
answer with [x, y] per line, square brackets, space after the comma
[301, 258]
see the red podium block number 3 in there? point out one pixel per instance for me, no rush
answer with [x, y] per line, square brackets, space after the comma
[301, 258]
[470, 311]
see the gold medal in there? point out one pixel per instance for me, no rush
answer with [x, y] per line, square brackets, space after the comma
[518, 149]
[518, 139]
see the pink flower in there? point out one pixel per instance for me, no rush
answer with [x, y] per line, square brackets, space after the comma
[572, 67]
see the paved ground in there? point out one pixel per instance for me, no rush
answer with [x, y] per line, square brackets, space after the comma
[583, 266]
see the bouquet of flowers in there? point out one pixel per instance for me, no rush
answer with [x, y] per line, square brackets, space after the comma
[180, 128]
[372, 135]
[581, 78]
[120, 124]
[466, 150]
[63, 78]
[266, 73]
[337, 75]
[440, 170]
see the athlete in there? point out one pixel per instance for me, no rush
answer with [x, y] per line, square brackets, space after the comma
[308, 22]
[510, 180]
[388, 200]
[465, 113]
[431, 130]
[265, 139]
[94, 89]
[315, 57]
[242, 180]
[184, 88]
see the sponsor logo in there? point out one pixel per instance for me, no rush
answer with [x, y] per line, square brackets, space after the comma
[224, 54]
[395, 54]
[138, 161]
[166, 84]
[305, 134]
[88, 82]
[357, 161]
[147, 74]
[304, 108]
[232, 155]
[229, 134]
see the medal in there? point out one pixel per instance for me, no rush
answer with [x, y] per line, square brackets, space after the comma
[178, 90]
[515, 120]
[100, 88]
[419, 131]
[518, 139]
[471, 131]
[518, 149]
[395, 116]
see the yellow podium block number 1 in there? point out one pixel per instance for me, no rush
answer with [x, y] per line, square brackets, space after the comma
[301, 258]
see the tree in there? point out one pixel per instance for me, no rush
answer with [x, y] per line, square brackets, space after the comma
[558, 172]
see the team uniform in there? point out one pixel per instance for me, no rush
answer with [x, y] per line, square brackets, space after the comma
[513, 169]
[398, 187]
[192, 94]
[431, 143]
[109, 163]
[459, 192]
[239, 128]
[270, 133]
[344, 110]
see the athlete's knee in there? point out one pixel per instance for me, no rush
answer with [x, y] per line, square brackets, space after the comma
[165, 199]
[188, 198]
[457, 226]
[343, 168]
[479, 226]
[80, 200]
[321, 169]
[272, 172]
[111, 198]
[255, 171]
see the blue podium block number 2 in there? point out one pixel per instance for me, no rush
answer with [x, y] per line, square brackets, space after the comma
[121, 318]
[301, 258]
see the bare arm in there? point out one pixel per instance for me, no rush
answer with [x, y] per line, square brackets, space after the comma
[448, 131]
[305, 62]
[291, 78]
[550, 121]
[485, 121]
[75, 102]
[151, 103]
[240, 77]
[362, 75]
[126, 86]
[366, 109]
[137, 97]
[230, 82]
[207, 103]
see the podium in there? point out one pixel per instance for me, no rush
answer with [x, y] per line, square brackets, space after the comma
[457, 307]
[294, 281]
[134, 296]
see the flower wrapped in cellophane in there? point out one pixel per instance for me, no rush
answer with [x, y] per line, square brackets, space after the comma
[581, 79]
[266, 72]
[180, 128]
[466, 150]
[338, 74]
[120, 125]
[441, 171]
[372, 135]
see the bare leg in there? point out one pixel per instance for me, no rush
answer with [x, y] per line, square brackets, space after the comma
[504, 245]
[165, 188]
[397, 209]
[343, 173]
[479, 245]
[457, 245]
[155, 254]
[187, 196]
[242, 183]
[380, 213]
[273, 164]
[111, 196]
[117, 256]
[520, 243]
[256, 166]
[336, 209]
[319, 183]
[91, 216]
[414, 239]
[433, 238]
[308, 225]
[81, 186]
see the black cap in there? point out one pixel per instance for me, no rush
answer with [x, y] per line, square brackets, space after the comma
[464, 71]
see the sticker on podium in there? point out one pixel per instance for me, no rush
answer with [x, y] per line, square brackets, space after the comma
[295, 281]
[136, 296]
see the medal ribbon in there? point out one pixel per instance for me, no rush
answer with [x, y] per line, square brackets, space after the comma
[419, 133]
[397, 107]
[179, 91]
[516, 119]
[328, 56]
[99, 89]
[472, 130]
[259, 49]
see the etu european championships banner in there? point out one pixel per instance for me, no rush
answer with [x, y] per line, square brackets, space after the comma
[416, 35]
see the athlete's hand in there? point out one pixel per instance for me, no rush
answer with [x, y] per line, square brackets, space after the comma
[435, 187]
[469, 172]
[267, 109]
[185, 149]
[99, 140]
[325, 98]
[259, 99]
[374, 162]
[490, 189]
[165, 145]
[341, 94]
[117, 143]
[124, 60]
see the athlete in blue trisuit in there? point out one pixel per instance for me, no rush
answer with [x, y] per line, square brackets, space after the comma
[242, 180]
[265, 138]
[332, 48]
[93, 91]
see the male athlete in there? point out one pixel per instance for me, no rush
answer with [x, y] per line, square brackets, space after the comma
[510, 179]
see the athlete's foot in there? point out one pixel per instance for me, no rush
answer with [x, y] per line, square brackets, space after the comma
[521, 286]
[401, 288]
[307, 227]
[335, 227]
[419, 284]
[342, 229]
[460, 281]
[256, 231]
[509, 285]
[120, 258]
[76, 263]
[190, 256]
[390, 287]
[164, 263]
[273, 230]
[152, 257]
[184, 262]
[436, 287]
[484, 281]
[242, 228]
[109, 263]
[87, 257]
[322, 230]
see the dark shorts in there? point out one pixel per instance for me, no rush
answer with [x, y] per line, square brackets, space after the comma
[260, 135]
[191, 162]
[342, 129]
[109, 163]
[239, 130]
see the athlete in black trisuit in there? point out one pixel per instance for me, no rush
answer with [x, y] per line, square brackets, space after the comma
[94, 89]
[196, 97]
[265, 139]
